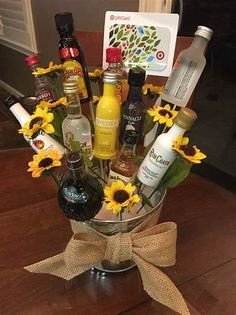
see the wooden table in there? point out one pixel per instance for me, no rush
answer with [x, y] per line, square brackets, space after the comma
[32, 228]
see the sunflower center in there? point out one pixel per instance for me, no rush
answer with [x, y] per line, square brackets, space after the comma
[45, 162]
[188, 150]
[164, 112]
[121, 196]
[36, 120]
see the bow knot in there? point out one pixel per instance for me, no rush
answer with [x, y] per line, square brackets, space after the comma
[119, 248]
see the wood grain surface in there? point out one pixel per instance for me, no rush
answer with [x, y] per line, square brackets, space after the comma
[32, 227]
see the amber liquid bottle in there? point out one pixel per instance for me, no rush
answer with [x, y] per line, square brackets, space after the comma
[72, 56]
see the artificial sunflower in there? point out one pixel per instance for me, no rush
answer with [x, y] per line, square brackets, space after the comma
[51, 68]
[150, 89]
[95, 74]
[119, 196]
[40, 120]
[60, 101]
[164, 115]
[44, 161]
[191, 153]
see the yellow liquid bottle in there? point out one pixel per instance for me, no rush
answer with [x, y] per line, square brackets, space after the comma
[107, 119]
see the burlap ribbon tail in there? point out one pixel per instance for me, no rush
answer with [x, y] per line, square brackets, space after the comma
[149, 248]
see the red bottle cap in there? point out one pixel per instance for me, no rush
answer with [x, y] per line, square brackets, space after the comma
[31, 60]
[113, 54]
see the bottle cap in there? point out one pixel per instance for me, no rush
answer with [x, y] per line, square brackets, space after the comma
[185, 118]
[136, 76]
[32, 60]
[10, 101]
[74, 160]
[70, 87]
[131, 137]
[113, 54]
[109, 77]
[64, 19]
[204, 31]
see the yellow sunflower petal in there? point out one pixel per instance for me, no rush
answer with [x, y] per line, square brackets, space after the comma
[48, 128]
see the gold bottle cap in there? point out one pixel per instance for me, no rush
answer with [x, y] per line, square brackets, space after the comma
[110, 77]
[185, 118]
[70, 87]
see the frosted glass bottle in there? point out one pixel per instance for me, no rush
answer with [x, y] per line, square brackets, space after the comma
[161, 155]
[187, 69]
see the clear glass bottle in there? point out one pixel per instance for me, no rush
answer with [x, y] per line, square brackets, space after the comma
[44, 87]
[187, 69]
[161, 155]
[115, 65]
[75, 126]
[72, 56]
[133, 109]
[107, 119]
[125, 166]
[81, 195]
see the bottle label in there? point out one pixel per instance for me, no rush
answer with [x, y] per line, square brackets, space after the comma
[107, 123]
[113, 176]
[71, 194]
[45, 96]
[68, 52]
[180, 79]
[86, 146]
[73, 71]
[44, 141]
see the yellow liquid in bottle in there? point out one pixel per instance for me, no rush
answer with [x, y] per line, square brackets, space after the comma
[107, 123]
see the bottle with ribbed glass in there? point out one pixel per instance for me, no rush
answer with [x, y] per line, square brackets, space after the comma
[107, 119]
[76, 127]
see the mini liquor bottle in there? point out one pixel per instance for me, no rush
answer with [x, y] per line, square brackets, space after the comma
[133, 109]
[72, 56]
[115, 65]
[107, 119]
[44, 88]
[81, 195]
[125, 166]
[75, 126]
[161, 155]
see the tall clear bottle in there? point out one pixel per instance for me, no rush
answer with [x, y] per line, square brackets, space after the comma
[44, 88]
[187, 69]
[161, 155]
[72, 56]
[107, 119]
[76, 127]
[133, 109]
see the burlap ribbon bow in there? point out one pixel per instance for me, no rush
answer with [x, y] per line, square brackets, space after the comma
[149, 248]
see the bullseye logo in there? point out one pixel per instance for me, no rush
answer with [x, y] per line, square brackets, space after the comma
[160, 55]
[112, 17]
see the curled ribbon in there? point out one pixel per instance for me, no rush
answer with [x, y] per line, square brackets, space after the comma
[149, 248]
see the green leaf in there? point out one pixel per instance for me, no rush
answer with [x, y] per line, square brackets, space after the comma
[150, 41]
[145, 200]
[116, 44]
[144, 38]
[157, 42]
[137, 40]
[75, 146]
[148, 124]
[120, 34]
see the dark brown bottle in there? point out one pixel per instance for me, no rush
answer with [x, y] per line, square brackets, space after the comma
[72, 56]
[133, 109]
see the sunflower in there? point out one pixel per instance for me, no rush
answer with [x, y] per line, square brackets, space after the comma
[164, 115]
[152, 89]
[40, 120]
[95, 74]
[191, 153]
[44, 161]
[60, 101]
[119, 196]
[51, 68]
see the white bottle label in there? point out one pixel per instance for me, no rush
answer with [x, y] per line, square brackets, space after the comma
[180, 79]
[113, 177]
[45, 142]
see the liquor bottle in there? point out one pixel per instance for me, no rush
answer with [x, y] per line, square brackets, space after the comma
[133, 109]
[161, 155]
[76, 126]
[72, 56]
[44, 88]
[107, 119]
[124, 167]
[80, 195]
[187, 69]
[114, 60]
[43, 140]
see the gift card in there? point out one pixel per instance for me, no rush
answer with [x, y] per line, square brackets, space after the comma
[146, 39]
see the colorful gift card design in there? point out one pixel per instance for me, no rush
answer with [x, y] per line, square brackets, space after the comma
[143, 43]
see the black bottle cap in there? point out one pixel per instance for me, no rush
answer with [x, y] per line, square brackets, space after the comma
[10, 101]
[131, 137]
[136, 76]
[74, 160]
[64, 19]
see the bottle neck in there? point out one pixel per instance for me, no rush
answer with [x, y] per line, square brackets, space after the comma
[109, 89]
[66, 31]
[135, 93]
[114, 65]
[73, 107]
[199, 43]
[175, 131]
[127, 152]
[78, 174]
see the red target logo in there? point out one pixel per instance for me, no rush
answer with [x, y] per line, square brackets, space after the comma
[160, 55]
